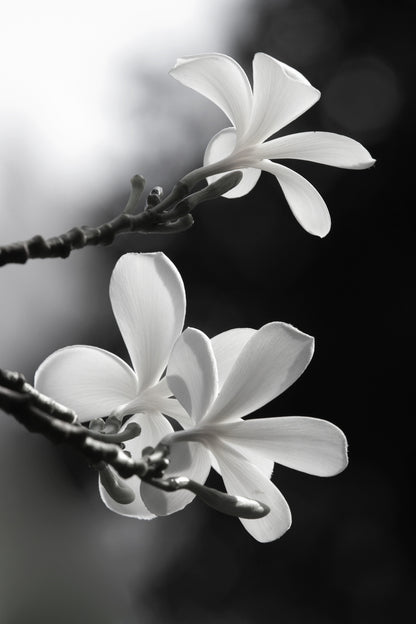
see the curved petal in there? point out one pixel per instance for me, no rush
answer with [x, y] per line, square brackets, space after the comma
[280, 95]
[159, 397]
[222, 145]
[307, 205]
[188, 459]
[148, 299]
[220, 79]
[325, 148]
[242, 478]
[271, 361]
[161, 388]
[207, 436]
[310, 445]
[91, 381]
[266, 466]
[192, 373]
[173, 409]
[154, 427]
[227, 346]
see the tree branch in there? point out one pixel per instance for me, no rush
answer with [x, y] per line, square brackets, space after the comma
[160, 216]
[40, 414]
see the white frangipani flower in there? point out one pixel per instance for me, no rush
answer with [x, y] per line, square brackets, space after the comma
[280, 94]
[221, 381]
[148, 300]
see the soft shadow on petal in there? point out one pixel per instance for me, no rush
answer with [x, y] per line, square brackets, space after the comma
[173, 409]
[189, 459]
[325, 148]
[310, 445]
[154, 427]
[192, 373]
[242, 478]
[221, 79]
[221, 146]
[227, 347]
[148, 299]
[91, 381]
[272, 360]
[160, 389]
[160, 398]
[305, 202]
[281, 94]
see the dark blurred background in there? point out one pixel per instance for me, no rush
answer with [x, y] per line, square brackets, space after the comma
[347, 558]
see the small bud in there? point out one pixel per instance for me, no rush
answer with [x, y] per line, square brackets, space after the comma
[137, 185]
[154, 197]
[115, 487]
[131, 431]
[112, 424]
[225, 503]
[157, 190]
[97, 424]
[148, 450]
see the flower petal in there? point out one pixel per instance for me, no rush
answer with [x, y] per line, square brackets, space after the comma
[188, 459]
[221, 79]
[272, 359]
[154, 427]
[160, 398]
[221, 146]
[305, 202]
[192, 373]
[266, 466]
[281, 94]
[326, 148]
[242, 478]
[227, 346]
[311, 445]
[91, 381]
[148, 299]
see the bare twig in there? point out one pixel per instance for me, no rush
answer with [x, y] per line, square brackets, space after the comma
[160, 216]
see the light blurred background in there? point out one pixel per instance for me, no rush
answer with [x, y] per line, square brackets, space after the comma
[86, 102]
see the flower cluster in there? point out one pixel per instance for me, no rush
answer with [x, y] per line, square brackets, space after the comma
[210, 387]
[193, 395]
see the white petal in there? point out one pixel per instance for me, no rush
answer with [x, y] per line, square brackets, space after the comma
[305, 202]
[219, 78]
[227, 346]
[192, 373]
[148, 299]
[281, 94]
[266, 466]
[242, 478]
[172, 408]
[91, 381]
[221, 146]
[272, 359]
[326, 148]
[160, 398]
[154, 427]
[311, 445]
[189, 459]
